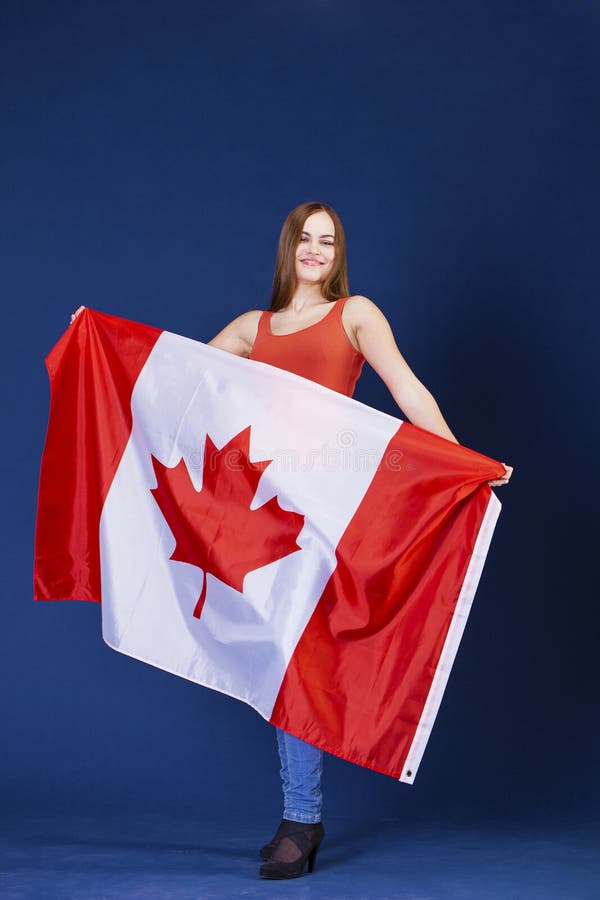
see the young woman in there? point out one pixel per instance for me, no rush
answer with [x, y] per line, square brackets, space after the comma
[313, 328]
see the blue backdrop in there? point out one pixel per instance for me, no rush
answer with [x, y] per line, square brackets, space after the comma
[150, 152]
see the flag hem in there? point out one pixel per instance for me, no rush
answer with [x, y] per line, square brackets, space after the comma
[453, 638]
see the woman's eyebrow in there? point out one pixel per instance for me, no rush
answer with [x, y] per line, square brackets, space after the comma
[323, 235]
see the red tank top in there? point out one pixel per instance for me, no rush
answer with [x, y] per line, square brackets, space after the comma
[321, 352]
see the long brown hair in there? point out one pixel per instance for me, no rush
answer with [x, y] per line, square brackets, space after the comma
[285, 280]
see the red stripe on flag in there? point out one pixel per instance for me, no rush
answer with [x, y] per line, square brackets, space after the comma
[358, 680]
[99, 357]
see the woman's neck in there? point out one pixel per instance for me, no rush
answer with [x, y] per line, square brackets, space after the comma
[305, 295]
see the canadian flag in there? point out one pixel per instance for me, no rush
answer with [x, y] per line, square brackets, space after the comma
[262, 535]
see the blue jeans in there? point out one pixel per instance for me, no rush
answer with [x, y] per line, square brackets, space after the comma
[301, 768]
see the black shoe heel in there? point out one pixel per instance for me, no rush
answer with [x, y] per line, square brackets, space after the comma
[312, 858]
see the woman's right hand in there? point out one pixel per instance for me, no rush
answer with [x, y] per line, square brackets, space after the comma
[76, 313]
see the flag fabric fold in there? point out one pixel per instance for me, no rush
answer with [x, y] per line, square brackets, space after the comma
[262, 535]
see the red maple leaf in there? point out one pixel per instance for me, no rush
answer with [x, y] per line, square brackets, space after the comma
[214, 528]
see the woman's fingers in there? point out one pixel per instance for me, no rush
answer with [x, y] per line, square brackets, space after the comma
[497, 482]
[76, 313]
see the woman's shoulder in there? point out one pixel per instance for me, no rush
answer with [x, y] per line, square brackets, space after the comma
[359, 301]
[247, 321]
[239, 334]
[252, 315]
[361, 308]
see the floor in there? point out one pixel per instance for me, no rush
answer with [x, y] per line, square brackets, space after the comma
[154, 856]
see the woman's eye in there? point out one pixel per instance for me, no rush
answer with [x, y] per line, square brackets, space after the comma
[325, 243]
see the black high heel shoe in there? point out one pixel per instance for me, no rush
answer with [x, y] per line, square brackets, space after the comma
[295, 845]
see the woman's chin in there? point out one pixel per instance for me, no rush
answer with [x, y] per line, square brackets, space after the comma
[310, 277]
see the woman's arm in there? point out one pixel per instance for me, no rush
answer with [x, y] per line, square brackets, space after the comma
[376, 342]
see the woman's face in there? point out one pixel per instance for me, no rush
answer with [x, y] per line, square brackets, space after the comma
[315, 252]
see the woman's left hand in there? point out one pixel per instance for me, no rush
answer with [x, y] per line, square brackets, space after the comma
[505, 479]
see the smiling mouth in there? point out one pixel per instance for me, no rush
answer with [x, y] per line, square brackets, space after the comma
[311, 262]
